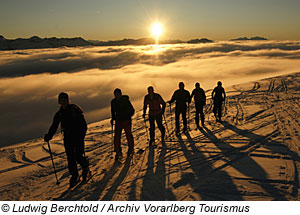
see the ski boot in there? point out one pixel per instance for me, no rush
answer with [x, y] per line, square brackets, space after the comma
[118, 156]
[163, 134]
[130, 152]
[151, 142]
[86, 173]
[74, 180]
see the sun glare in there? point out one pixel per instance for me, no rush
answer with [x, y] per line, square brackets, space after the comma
[156, 30]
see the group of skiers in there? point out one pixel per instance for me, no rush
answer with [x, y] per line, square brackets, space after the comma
[74, 126]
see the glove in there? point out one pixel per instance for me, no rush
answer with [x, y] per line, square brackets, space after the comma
[47, 137]
[144, 115]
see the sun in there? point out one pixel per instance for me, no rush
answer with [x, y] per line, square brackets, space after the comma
[157, 30]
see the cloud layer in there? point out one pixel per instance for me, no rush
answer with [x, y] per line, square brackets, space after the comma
[30, 80]
[70, 60]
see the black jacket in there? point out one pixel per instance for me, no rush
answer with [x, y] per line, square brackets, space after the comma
[181, 97]
[156, 105]
[71, 119]
[121, 109]
[199, 96]
[218, 94]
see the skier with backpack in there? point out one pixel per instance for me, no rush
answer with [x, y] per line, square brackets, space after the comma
[218, 95]
[74, 128]
[157, 108]
[182, 97]
[200, 101]
[121, 112]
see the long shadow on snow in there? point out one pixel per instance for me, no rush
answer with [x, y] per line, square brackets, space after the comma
[218, 187]
[246, 165]
[270, 145]
[114, 187]
[154, 183]
[97, 187]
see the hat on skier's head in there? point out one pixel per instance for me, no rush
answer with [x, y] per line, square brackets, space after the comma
[150, 88]
[181, 84]
[63, 95]
[117, 91]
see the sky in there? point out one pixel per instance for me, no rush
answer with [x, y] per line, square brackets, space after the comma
[182, 19]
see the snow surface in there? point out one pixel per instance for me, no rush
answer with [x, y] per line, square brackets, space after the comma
[252, 155]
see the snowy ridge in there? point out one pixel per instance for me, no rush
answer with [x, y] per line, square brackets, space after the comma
[252, 155]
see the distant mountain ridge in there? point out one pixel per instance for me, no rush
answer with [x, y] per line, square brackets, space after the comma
[36, 42]
[203, 40]
[251, 38]
[141, 41]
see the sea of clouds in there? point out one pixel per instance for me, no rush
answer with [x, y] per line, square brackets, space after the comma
[31, 79]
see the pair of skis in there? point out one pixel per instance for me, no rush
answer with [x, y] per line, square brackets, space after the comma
[81, 182]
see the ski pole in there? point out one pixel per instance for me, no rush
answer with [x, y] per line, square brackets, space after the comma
[166, 125]
[57, 182]
[189, 112]
[146, 127]
[189, 115]
[225, 105]
[112, 139]
[171, 115]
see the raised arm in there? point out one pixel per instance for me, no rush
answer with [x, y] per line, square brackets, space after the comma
[193, 93]
[213, 93]
[113, 111]
[53, 127]
[173, 98]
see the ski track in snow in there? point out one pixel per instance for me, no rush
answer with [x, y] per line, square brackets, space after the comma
[252, 155]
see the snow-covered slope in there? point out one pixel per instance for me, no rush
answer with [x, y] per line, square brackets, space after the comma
[252, 155]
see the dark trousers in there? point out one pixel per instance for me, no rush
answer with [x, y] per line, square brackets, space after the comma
[199, 111]
[120, 125]
[218, 109]
[74, 146]
[183, 115]
[158, 119]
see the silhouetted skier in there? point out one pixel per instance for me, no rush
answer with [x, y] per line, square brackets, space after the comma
[122, 111]
[200, 102]
[74, 128]
[157, 108]
[182, 97]
[218, 95]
